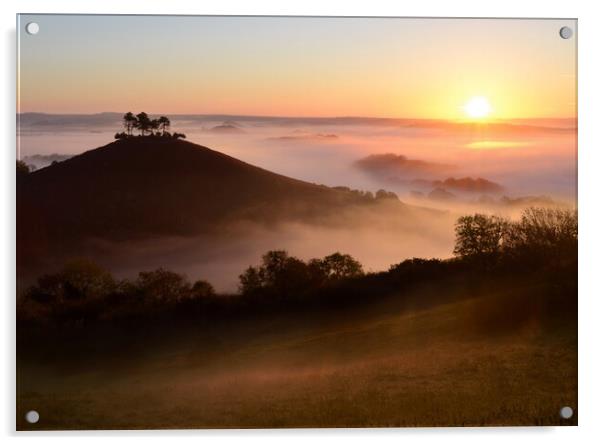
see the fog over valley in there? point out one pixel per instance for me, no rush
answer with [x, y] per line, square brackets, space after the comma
[527, 157]
[452, 168]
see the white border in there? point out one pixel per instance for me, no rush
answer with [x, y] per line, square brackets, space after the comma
[590, 188]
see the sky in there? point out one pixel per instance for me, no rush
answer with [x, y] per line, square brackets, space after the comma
[284, 66]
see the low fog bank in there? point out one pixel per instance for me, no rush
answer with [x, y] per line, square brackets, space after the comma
[377, 238]
[525, 158]
[509, 166]
[36, 162]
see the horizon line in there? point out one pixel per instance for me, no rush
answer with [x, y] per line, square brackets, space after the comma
[301, 117]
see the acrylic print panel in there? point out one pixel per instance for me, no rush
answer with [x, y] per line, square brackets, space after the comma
[261, 222]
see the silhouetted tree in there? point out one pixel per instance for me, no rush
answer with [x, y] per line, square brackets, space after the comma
[544, 231]
[202, 289]
[143, 123]
[154, 125]
[274, 264]
[338, 266]
[283, 276]
[540, 233]
[22, 169]
[279, 275]
[164, 124]
[479, 235]
[147, 126]
[383, 194]
[251, 281]
[162, 285]
[129, 122]
[78, 280]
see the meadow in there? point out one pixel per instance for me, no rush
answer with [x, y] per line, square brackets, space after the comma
[420, 368]
[482, 356]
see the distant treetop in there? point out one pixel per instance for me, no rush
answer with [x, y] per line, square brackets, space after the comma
[146, 127]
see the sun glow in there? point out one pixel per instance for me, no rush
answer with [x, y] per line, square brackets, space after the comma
[478, 107]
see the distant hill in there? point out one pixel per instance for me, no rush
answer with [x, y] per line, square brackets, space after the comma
[521, 126]
[226, 128]
[142, 188]
[467, 184]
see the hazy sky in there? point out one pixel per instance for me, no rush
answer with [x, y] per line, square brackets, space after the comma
[296, 66]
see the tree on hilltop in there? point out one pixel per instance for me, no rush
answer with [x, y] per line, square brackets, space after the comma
[143, 123]
[147, 126]
[129, 122]
[164, 124]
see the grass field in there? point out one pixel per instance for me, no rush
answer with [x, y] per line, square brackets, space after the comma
[469, 362]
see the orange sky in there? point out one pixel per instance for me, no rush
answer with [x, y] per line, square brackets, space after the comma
[297, 66]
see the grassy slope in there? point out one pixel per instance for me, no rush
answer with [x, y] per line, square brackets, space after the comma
[389, 366]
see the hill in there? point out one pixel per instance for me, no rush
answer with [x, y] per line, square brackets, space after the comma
[144, 188]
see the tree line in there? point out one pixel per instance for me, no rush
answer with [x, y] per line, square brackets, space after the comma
[541, 241]
[146, 126]
[539, 233]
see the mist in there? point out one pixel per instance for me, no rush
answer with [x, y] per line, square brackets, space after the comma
[378, 237]
[532, 158]
[529, 162]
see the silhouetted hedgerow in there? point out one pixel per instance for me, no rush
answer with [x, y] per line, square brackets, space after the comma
[540, 248]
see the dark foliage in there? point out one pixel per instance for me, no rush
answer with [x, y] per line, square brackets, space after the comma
[284, 277]
[541, 234]
[146, 126]
[539, 252]
[22, 169]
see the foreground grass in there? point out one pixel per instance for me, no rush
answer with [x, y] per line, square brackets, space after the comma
[391, 366]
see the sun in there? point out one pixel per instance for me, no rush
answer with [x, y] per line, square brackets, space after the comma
[478, 107]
